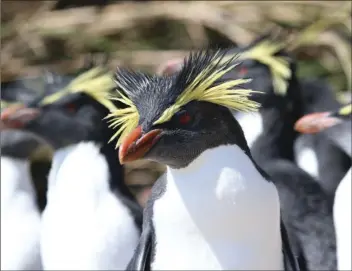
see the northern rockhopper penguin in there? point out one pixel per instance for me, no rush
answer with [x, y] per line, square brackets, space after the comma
[269, 132]
[336, 125]
[216, 209]
[306, 209]
[20, 214]
[91, 220]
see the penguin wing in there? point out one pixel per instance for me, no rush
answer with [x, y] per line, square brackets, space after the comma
[290, 260]
[141, 258]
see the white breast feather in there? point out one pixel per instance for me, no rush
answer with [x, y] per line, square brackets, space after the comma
[218, 213]
[342, 221]
[251, 124]
[20, 217]
[85, 226]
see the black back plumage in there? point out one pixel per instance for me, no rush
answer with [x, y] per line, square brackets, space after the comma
[307, 213]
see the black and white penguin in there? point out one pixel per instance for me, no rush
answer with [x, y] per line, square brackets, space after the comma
[216, 209]
[29, 90]
[287, 99]
[337, 126]
[20, 214]
[91, 220]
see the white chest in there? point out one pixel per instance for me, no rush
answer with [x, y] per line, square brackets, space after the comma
[214, 217]
[251, 124]
[84, 225]
[342, 221]
[20, 218]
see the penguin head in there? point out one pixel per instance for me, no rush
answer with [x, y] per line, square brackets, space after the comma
[62, 117]
[173, 119]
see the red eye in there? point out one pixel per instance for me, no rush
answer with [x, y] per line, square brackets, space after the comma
[184, 118]
[71, 107]
[243, 71]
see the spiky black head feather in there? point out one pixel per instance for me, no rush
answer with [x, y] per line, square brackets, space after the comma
[152, 95]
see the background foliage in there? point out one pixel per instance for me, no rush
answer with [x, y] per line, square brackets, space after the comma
[143, 34]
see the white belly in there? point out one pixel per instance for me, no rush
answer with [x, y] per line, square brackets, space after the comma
[20, 218]
[216, 219]
[88, 237]
[342, 221]
[84, 226]
[20, 232]
[251, 124]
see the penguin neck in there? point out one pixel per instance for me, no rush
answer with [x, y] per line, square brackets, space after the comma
[16, 182]
[232, 206]
[278, 136]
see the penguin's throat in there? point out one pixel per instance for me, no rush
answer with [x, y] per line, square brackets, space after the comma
[220, 203]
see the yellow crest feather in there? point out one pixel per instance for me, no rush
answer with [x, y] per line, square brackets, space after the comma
[96, 83]
[223, 94]
[264, 52]
[127, 118]
[346, 110]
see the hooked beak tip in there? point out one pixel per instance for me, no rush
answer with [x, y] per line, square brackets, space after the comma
[136, 145]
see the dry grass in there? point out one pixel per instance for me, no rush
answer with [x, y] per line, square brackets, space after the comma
[144, 35]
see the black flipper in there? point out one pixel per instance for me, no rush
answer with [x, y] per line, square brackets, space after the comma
[307, 214]
[142, 255]
[291, 262]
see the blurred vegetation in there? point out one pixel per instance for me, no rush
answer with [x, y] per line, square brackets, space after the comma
[144, 34]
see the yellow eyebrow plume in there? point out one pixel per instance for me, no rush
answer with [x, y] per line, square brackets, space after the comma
[346, 110]
[96, 83]
[223, 94]
[127, 118]
[264, 52]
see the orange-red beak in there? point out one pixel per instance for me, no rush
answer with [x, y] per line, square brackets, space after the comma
[15, 116]
[315, 122]
[136, 145]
